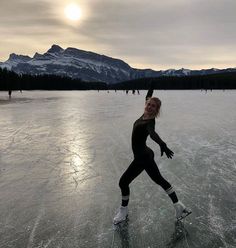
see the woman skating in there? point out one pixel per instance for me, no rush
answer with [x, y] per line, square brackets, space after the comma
[144, 160]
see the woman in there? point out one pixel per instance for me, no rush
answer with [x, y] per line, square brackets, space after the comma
[144, 160]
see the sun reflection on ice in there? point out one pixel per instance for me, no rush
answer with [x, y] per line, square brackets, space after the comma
[79, 150]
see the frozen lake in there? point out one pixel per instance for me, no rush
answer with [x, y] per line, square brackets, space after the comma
[62, 154]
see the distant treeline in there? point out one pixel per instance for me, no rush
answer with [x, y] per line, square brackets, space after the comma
[213, 81]
[12, 81]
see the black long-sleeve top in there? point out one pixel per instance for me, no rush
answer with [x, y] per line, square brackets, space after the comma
[141, 129]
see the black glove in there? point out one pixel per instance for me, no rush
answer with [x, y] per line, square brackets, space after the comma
[166, 150]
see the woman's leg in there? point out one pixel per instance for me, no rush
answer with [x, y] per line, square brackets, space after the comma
[154, 173]
[133, 171]
[152, 170]
[129, 175]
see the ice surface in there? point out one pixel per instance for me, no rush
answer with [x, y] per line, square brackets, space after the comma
[62, 154]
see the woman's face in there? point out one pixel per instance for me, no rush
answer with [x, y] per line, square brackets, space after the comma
[150, 108]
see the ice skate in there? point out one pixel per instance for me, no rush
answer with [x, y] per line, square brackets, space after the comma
[121, 215]
[181, 211]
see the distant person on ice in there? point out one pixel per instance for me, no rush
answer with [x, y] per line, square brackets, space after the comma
[9, 93]
[144, 160]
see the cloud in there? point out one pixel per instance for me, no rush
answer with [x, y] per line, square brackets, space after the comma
[144, 33]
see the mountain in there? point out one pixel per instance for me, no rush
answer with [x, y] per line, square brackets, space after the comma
[89, 66]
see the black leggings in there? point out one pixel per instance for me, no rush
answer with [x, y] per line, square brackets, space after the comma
[145, 162]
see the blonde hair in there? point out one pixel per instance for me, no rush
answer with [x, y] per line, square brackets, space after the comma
[158, 103]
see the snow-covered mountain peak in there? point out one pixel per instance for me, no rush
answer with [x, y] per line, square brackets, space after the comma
[14, 60]
[185, 71]
[215, 69]
[14, 57]
[55, 49]
[37, 55]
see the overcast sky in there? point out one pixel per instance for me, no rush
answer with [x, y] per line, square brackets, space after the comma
[157, 34]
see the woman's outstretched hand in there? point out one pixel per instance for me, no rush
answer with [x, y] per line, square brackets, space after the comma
[166, 150]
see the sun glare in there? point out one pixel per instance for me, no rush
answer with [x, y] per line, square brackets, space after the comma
[73, 12]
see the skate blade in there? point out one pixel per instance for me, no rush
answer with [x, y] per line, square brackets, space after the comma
[121, 221]
[184, 215]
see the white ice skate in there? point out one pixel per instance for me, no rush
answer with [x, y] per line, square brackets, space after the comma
[181, 211]
[121, 215]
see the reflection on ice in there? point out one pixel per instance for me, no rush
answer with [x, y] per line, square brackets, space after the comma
[62, 154]
[122, 230]
[179, 234]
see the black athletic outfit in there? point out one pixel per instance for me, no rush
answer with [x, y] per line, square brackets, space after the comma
[144, 159]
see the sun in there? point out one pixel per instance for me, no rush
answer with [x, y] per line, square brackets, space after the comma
[73, 12]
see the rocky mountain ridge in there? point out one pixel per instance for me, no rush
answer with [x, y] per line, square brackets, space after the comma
[89, 66]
